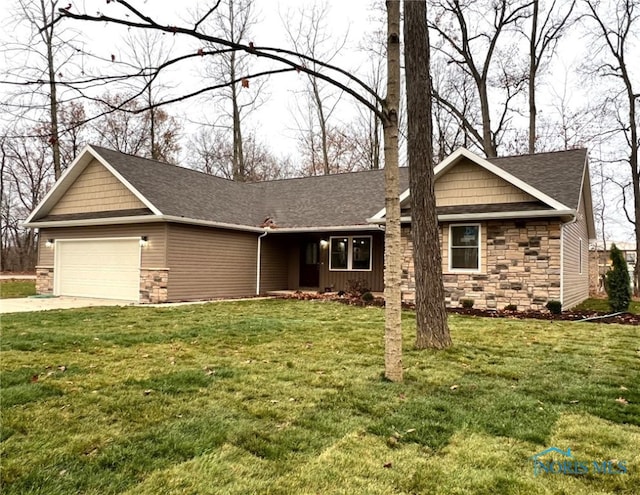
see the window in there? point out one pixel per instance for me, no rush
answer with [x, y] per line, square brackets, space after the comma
[350, 253]
[464, 247]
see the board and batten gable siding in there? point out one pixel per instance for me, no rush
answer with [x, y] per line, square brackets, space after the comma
[207, 263]
[274, 265]
[468, 184]
[96, 189]
[153, 255]
[575, 260]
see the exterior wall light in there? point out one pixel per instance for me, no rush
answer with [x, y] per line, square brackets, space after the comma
[50, 243]
[144, 240]
[324, 243]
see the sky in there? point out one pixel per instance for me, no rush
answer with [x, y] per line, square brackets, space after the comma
[274, 122]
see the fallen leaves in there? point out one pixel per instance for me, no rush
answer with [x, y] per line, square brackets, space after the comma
[622, 400]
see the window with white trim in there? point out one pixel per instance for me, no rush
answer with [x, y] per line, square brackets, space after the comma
[464, 247]
[352, 253]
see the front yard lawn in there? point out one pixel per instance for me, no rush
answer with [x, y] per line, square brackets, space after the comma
[285, 397]
[594, 304]
[17, 288]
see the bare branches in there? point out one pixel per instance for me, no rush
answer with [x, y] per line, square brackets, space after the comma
[280, 56]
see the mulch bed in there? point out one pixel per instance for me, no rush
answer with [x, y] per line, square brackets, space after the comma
[578, 315]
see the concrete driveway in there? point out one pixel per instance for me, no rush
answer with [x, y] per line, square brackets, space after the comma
[24, 304]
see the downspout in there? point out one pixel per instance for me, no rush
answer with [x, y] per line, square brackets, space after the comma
[561, 264]
[258, 261]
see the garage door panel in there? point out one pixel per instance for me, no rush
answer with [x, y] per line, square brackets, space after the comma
[106, 268]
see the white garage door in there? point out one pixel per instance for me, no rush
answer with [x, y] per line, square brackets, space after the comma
[106, 268]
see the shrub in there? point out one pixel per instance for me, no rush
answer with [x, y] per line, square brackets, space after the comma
[511, 307]
[466, 303]
[617, 282]
[356, 288]
[555, 307]
[367, 297]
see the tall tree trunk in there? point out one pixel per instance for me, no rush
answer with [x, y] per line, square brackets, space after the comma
[152, 125]
[392, 250]
[487, 137]
[432, 330]
[238, 170]
[322, 121]
[54, 137]
[635, 179]
[532, 78]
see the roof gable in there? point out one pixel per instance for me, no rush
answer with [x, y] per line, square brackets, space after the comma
[96, 190]
[462, 154]
[552, 180]
[86, 157]
[467, 183]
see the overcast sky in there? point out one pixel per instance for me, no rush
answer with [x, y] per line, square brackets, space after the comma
[274, 123]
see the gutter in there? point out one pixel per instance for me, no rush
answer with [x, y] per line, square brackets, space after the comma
[451, 217]
[258, 261]
[192, 221]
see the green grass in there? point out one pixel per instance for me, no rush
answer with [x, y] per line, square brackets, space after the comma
[603, 305]
[17, 288]
[286, 397]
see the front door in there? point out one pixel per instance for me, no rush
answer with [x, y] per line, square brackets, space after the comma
[309, 264]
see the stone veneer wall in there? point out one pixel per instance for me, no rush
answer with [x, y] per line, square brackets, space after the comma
[44, 280]
[153, 285]
[522, 267]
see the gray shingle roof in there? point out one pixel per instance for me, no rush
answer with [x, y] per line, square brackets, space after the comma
[183, 192]
[557, 174]
[322, 201]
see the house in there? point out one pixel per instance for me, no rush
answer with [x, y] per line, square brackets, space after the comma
[600, 262]
[514, 230]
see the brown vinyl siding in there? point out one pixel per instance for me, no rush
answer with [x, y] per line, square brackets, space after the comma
[208, 263]
[274, 266]
[96, 189]
[470, 184]
[153, 255]
[575, 278]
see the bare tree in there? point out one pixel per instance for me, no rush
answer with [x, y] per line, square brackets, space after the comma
[368, 137]
[473, 46]
[27, 174]
[616, 27]
[312, 37]
[237, 98]
[457, 89]
[145, 51]
[431, 314]
[38, 67]
[392, 249]
[547, 27]
[128, 129]
[211, 152]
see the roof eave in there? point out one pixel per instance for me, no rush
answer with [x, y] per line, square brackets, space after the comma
[565, 215]
[194, 221]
